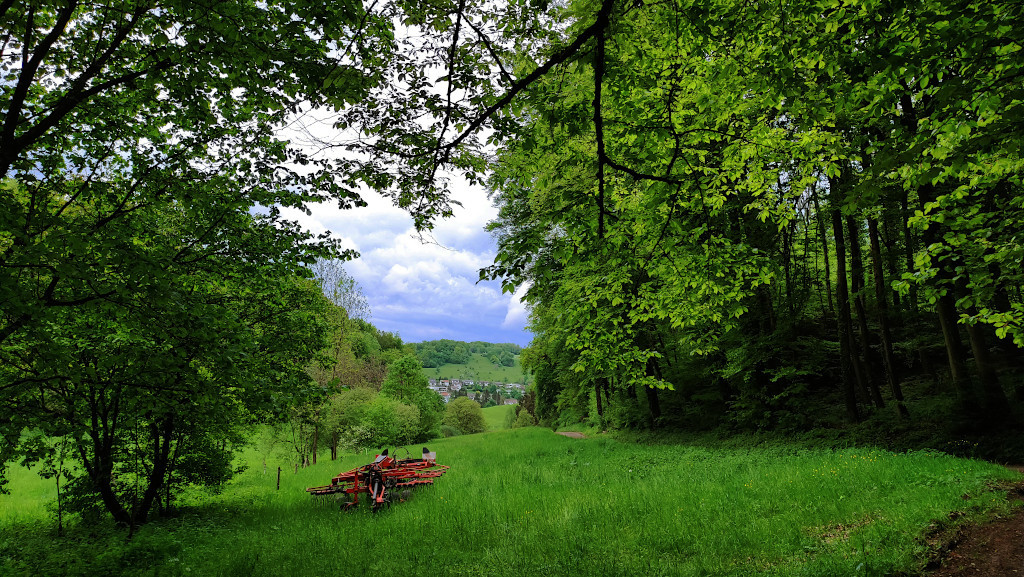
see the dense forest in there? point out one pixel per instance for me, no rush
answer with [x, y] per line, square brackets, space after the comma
[728, 215]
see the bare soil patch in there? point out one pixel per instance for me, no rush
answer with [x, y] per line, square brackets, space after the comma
[572, 434]
[994, 549]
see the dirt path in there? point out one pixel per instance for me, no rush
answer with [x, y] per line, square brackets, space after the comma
[572, 434]
[992, 550]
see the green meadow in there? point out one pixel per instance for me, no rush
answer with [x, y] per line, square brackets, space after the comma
[497, 417]
[530, 502]
[478, 369]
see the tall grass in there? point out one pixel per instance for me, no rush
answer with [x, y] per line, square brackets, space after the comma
[30, 498]
[526, 501]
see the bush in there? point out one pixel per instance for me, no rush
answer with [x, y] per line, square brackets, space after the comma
[525, 419]
[405, 382]
[391, 422]
[448, 431]
[510, 418]
[465, 415]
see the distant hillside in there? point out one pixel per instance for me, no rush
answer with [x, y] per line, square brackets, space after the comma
[478, 361]
[433, 354]
[478, 368]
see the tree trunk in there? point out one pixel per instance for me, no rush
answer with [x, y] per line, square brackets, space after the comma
[843, 304]
[945, 306]
[857, 282]
[955, 353]
[316, 440]
[607, 391]
[882, 304]
[162, 433]
[787, 248]
[100, 471]
[654, 404]
[892, 225]
[993, 399]
[824, 250]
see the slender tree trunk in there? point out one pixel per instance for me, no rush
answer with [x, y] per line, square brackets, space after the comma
[945, 306]
[955, 353]
[857, 282]
[171, 464]
[100, 471]
[653, 401]
[993, 398]
[600, 405]
[60, 473]
[787, 254]
[654, 404]
[843, 304]
[909, 248]
[607, 392]
[822, 229]
[316, 440]
[888, 360]
[891, 225]
[162, 433]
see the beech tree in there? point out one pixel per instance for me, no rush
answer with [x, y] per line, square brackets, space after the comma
[667, 191]
[151, 294]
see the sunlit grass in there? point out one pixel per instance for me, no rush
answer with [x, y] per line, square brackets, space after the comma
[496, 417]
[29, 501]
[526, 501]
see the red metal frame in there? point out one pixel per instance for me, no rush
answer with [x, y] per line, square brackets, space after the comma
[379, 478]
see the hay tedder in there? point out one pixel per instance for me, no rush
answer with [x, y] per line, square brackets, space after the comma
[386, 479]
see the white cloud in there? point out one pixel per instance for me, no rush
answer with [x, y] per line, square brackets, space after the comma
[517, 314]
[425, 287]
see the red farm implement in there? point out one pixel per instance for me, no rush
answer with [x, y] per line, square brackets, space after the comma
[381, 479]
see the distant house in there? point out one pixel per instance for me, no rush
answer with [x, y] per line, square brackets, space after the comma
[471, 395]
[445, 383]
[468, 383]
[445, 396]
[516, 386]
[432, 383]
[511, 402]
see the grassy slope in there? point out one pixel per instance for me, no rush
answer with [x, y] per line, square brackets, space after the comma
[495, 416]
[478, 369]
[529, 502]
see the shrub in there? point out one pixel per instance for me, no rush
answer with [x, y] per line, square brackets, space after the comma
[465, 415]
[405, 382]
[525, 419]
[391, 422]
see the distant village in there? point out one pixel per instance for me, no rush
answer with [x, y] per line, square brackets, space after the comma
[487, 393]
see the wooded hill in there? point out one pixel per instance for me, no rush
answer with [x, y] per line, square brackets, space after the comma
[441, 352]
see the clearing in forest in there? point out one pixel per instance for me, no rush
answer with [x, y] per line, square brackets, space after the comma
[529, 502]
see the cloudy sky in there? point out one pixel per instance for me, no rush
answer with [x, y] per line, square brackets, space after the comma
[426, 290]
